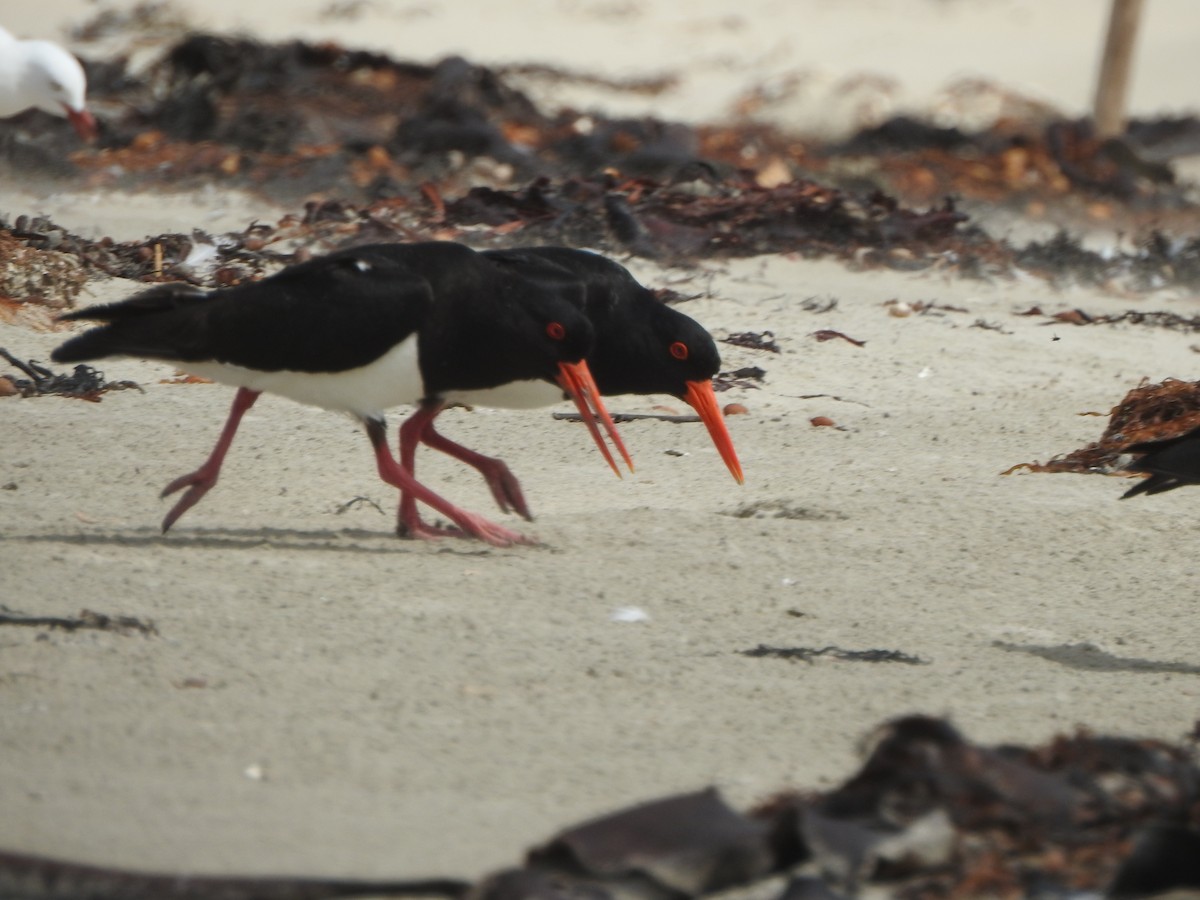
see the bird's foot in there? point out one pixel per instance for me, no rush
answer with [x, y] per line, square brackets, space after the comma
[198, 484]
[505, 488]
[419, 530]
[469, 526]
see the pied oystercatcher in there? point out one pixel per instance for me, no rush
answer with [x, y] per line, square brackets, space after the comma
[359, 331]
[642, 346]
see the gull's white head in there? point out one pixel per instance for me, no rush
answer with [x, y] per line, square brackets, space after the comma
[45, 76]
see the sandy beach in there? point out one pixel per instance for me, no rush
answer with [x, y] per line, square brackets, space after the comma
[323, 698]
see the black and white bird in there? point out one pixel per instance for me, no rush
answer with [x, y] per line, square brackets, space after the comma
[361, 331]
[42, 75]
[642, 346]
[1170, 463]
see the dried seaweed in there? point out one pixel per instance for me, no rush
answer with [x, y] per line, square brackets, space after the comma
[933, 815]
[211, 260]
[620, 417]
[687, 845]
[984, 325]
[1151, 318]
[828, 334]
[87, 619]
[928, 815]
[808, 654]
[296, 118]
[84, 382]
[343, 508]
[452, 150]
[1019, 163]
[380, 149]
[26, 877]
[1149, 412]
[751, 340]
[783, 509]
[746, 378]
[639, 216]
[37, 274]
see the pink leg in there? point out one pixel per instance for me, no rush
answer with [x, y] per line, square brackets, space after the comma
[398, 476]
[408, 523]
[503, 483]
[419, 428]
[202, 480]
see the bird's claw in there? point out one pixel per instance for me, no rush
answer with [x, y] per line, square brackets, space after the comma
[198, 484]
[506, 490]
[468, 526]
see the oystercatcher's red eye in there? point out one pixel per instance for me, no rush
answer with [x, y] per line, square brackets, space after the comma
[679, 350]
[556, 331]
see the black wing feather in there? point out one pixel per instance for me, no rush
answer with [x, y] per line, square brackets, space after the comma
[334, 313]
[1171, 463]
[158, 299]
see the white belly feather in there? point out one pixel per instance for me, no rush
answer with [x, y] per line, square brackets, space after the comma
[514, 395]
[393, 379]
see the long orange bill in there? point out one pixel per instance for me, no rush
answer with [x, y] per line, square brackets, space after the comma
[576, 379]
[702, 399]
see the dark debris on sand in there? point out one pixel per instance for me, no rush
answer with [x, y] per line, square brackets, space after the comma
[372, 148]
[296, 117]
[751, 340]
[746, 378]
[200, 258]
[809, 654]
[382, 149]
[1149, 412]
[87, 620]
[83, 382]
[630, 217]
[928, 815]
[34, 270]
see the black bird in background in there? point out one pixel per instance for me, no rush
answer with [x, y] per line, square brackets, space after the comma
[1170, 463]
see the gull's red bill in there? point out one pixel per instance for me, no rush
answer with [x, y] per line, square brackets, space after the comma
[576, 379]
[82, 121]
[701, 397]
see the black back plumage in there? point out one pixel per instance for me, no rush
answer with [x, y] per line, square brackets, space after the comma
[635, 331]
[488, 319]
[1171, 463]
[329, 314]
[478, 324]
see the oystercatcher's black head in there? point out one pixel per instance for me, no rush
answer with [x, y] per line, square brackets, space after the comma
[546, 335]
[647, 347]
[541, 328]
[642, 346]
[490, 327]
[652, 348]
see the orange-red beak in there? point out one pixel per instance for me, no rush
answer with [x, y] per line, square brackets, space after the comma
[576, 379]
[701, 397]
[83, 122]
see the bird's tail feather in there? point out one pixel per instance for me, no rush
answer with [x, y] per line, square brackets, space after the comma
[159, 299]
[154, 324]
[1157, 483]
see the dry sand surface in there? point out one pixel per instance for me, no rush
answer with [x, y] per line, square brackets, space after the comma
[324, 698]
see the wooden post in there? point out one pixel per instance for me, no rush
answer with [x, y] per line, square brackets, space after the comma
[1112, 86]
